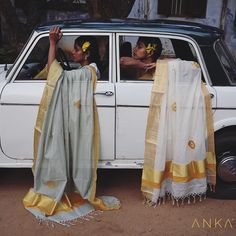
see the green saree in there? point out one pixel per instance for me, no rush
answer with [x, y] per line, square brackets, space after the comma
[67, 149]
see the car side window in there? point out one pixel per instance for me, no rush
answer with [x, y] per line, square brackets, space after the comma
[67, 45]
[36, 62]
[227, 61]
[130, 49]
[34, 67]
[138, 55]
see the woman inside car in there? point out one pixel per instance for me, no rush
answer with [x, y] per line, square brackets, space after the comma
[143, 61]
[85, 50]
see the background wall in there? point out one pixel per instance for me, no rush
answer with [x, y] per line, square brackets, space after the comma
[230, 25]
[219, 13]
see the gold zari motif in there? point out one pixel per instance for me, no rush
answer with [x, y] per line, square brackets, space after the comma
[191, 144]
[173, 106]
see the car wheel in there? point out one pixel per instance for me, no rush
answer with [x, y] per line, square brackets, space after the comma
[225, 147]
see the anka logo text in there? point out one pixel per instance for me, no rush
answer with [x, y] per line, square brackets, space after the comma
[214, 223]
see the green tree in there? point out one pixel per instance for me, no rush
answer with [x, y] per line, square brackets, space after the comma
[15, 31]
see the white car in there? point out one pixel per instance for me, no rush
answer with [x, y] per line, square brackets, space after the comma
[122, 102]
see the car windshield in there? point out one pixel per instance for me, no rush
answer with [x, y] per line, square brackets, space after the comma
[227, 61]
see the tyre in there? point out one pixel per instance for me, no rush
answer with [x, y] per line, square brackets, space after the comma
[225, 147]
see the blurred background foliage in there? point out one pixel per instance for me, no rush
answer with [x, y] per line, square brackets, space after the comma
[7, 54]
[19, 17]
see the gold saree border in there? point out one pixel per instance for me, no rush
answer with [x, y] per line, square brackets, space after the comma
[52, 78]
[179, 173]
[153, 120]
[68, 202]
[211, 156]
[49, 206]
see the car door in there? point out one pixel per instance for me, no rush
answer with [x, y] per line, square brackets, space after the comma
[133, 97]
[132, 103]
[20, 97]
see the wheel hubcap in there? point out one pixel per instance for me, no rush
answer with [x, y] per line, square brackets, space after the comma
[227, 167]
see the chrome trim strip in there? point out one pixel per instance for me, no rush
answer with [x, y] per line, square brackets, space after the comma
[133, 106]
[34, 104]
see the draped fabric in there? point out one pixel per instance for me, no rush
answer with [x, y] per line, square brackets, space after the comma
[67, 149]
[179, 157]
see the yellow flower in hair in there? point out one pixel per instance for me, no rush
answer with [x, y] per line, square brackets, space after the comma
[151, 48]
[85, 46]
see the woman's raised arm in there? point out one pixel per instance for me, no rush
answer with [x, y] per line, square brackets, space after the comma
[55, 34]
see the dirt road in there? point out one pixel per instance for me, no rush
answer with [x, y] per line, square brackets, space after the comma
[210, 217]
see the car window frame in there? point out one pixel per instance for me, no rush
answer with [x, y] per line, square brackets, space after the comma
[225, 51]
[23, 55]
[186, 38]
[34, 40]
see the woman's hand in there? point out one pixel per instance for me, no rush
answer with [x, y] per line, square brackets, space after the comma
[149, 66]
[131, 62]
[55, 35]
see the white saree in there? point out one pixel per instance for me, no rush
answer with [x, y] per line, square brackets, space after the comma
[67, 149]
[179, 157]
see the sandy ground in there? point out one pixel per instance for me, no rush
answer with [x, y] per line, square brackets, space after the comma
[133, 218]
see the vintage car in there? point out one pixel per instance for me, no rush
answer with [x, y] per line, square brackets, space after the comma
[122, 102]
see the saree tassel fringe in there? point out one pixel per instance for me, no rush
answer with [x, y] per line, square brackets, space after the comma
[190, 199]
[79, 220]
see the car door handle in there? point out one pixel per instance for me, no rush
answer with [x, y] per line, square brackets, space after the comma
[212, 95]
[106, 93]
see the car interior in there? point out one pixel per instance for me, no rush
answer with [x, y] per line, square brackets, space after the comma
[172, 48]
[35, 65]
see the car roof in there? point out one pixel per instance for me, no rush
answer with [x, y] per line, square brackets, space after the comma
[203, 34]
